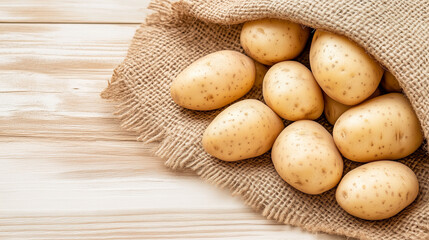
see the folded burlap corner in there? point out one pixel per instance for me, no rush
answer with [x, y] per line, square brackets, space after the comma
[176, 34]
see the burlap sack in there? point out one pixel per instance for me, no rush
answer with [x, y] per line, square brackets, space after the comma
[394, 32]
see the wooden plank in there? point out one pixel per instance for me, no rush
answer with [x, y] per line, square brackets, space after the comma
[52, 77]
[67, 169]
[182, 224]
[113, 190]
[73, 11]
[59, 189]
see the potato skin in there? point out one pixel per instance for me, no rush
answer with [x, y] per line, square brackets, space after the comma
[261, 70]
[213, 81]
[269, 41]
[305, 156]
[390, 83]
[245, 129]
[290, 90]
[385, 127]
[342, 68]
[377, 190]
[333, 109]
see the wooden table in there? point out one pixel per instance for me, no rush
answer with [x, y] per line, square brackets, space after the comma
[67, 170]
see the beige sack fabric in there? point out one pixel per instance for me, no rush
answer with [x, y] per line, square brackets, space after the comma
[394, 32]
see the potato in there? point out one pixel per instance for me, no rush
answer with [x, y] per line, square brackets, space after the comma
[214, 81]
[269, 41]
[261, 70]
[243, 130]
[334, 109]
[377, 190]
[390, 83]
[305, 156]
[384, 127]
[291, 91]
[342, 68]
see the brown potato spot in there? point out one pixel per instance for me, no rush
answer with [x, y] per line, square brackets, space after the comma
[298, 182]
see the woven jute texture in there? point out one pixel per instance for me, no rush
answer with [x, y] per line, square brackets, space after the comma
[395, 33]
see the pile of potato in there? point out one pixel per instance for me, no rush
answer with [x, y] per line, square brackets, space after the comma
[343, 83]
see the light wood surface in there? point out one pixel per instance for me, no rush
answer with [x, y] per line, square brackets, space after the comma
[73, 11]
[67, 170]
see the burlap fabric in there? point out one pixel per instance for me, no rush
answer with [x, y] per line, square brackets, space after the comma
[176, 34]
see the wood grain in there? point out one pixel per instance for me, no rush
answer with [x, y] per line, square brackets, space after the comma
[67, 169]
[185, 224]
[54, 80]
[71, 11]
